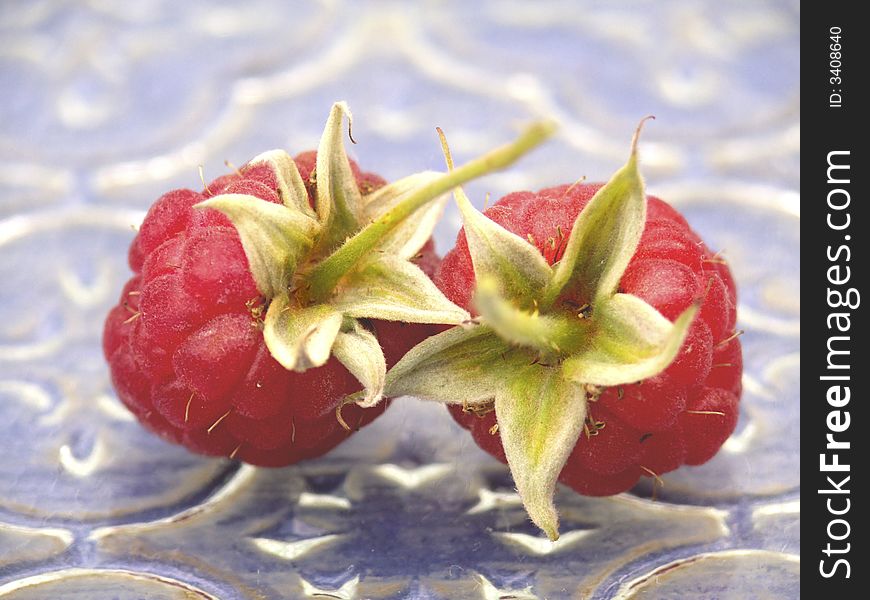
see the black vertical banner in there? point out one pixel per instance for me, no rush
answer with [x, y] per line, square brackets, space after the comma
[835, 368]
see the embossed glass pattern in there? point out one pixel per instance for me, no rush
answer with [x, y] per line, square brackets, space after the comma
[107, 104]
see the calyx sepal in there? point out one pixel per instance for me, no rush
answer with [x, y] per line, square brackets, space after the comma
[545, 334]
[348, 257]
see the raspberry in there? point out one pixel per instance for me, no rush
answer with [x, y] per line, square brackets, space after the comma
[184, 343]
[681, 416]
[652, 405]
[260, 306]
[589, 356]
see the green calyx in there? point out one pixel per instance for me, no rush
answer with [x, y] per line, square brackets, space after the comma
[547, 334]
[349, 258]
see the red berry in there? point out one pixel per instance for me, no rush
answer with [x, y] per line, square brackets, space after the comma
[652, 405]
[590, 483]
[681, 416]
[607, 445]
[727, 367]
[694, 361]
[482, 427]
[708, 420]
[669, 286]
[185, 350]
[306, 161]
[663, 451]
[671, 241]
[718, 310]
[170, 215]
[397, 337]
[659, 210]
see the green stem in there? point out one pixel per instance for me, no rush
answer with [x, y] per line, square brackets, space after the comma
[326, 275]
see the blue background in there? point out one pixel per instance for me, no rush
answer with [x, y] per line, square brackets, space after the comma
[107, 104]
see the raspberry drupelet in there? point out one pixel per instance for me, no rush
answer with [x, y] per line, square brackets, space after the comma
[185, 343]
[680, 416]
[264, 312]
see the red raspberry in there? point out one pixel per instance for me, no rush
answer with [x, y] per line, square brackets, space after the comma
[186, 353]
[681, 416]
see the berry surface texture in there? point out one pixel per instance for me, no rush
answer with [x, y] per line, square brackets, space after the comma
[648, 428]
[264, 312]
[185, 342]
[602, 345]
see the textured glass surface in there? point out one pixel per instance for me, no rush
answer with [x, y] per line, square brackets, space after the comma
[106, 104]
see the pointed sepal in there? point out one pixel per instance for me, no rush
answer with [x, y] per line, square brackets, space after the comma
[361, 354]
[463, 365]
[393, 289]
[632, 341]
[291, 188]
[300, 337]
[540, 417]
[548, 334]
[556, 330]
[350, 257]
[325, 277]
[339, 202]
[516, 267]
[406, 239]
[603, 238]
[275, 238]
